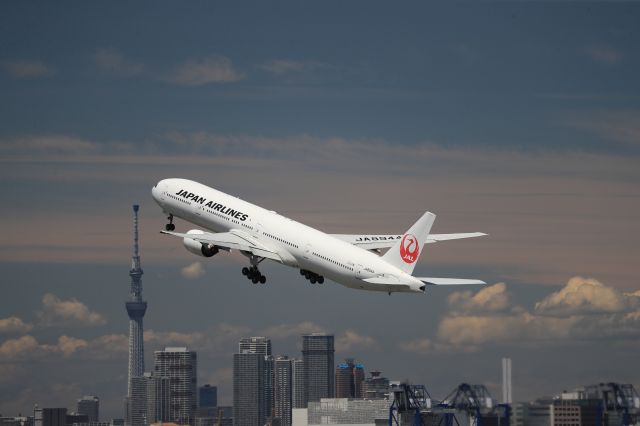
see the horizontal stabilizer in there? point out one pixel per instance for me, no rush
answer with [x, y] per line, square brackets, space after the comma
[449, 281]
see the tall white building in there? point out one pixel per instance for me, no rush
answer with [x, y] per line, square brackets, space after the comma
[180, 366]
[282, 389]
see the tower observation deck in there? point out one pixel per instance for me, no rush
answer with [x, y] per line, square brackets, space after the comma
[136, 308]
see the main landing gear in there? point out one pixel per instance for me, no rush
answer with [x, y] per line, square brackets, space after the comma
[254, 275]
[312, 276]
[170, 226]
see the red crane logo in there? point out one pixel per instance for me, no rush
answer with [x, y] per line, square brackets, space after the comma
[409, 248]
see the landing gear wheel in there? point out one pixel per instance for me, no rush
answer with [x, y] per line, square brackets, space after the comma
[320, 280]
[245, 271]
[263, 279]
[170, 226]
[255, 280]
[313, 280]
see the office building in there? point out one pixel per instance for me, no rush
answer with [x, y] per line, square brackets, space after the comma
[255, 345]
[89, 405]
[49, 416]
[297, 385]
[375, 387]
[180, 366]
[349, 378]
[249, 407]
[207, 396]
[282, 389]
[319, 375]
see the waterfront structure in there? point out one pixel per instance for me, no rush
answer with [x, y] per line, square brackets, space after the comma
[136, 308]
[90, 406]
[319, 375]
[349, 378]
[340, 411]
[180, 366]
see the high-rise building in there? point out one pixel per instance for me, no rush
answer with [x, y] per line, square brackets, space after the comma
[49, 416]
[207, 396]
[319, 375]
[255, 345]
[89, 405]
[297, 385]
[249, 407]
[180, 366]
[149, 401]
[282, 389]
[375, 387]
[507, 396]
[349, 378]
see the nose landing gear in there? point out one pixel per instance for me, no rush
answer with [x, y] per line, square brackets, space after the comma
[170, 226]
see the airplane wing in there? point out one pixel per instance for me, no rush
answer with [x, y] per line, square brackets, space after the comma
[235, 240]
[449, 281]
[376, 242]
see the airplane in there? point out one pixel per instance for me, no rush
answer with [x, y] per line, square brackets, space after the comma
[355, 261]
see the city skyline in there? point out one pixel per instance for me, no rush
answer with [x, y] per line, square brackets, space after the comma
[519, 119]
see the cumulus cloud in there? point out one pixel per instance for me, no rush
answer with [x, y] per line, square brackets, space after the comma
[206, 70]
[582, 309]
[14, 325]
[193, 271]
[114, 62]
[28, 69]
[490, 299]
[350, 340]
[585, 296]
[57, 312]
[15, 348]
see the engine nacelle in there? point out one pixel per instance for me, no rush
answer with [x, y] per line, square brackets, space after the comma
[198, 248]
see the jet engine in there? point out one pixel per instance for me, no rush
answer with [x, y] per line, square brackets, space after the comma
[198, 248]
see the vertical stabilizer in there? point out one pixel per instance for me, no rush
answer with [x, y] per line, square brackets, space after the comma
[405, 253]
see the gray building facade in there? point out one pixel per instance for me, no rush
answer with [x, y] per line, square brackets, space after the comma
[180, 366]
[319, 374]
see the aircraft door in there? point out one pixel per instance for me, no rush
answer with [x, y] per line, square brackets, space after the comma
[359, 272]
[307, 251]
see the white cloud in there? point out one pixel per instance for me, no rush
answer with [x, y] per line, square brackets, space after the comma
[193, 271]
[16, 348]
[209, 69]
[350, 340]
[14, 325]
[490, 299]
[585, 296]
[582, 309]
[28, 69]
[114, 62]
[57, 312]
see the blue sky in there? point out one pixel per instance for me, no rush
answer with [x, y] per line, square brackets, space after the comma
[520, 119]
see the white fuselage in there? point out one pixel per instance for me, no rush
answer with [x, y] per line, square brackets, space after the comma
[300, 246]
